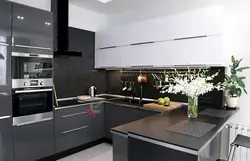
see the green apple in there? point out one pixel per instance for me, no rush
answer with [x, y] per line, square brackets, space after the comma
[161, 101]
[167, 100]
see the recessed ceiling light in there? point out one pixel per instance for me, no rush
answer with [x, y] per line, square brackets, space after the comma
[20, 17]
[105, 1]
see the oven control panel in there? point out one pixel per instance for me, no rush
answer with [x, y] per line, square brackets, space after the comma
[28, 83]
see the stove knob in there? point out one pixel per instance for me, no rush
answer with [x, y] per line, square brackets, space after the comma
[41, 83]
[25, 83]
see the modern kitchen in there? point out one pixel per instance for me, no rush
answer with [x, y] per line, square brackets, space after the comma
[124, 80]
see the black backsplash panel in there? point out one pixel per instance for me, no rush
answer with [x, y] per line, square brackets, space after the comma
[214, 98]
[74, 75]
[71, 79]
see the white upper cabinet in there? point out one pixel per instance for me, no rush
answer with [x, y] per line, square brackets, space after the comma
[195, 51]
[205, 21]
[188, 38]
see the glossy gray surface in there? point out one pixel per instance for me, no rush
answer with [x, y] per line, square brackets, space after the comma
[76, 126]
[34, 141]
[6, 143]
[39, 35]
[31, 119]
[154, 128]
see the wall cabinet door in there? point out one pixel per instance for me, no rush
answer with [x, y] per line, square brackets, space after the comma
[106, 58]
[5, 23]
[193, 51]
[34, 141]
[205, 21]
[32, 27]
[6, 143]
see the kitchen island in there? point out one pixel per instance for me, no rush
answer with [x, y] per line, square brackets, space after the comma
[164, 137]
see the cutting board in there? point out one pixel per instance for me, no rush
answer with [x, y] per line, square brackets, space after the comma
[155, 106]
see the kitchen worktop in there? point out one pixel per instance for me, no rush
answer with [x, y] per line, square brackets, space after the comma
[112, 99]
[154, 128]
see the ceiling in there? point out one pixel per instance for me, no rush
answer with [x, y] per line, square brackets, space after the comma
[113, 7]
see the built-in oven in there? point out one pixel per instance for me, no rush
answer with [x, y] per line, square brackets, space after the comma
[31, 66]
[32, 101]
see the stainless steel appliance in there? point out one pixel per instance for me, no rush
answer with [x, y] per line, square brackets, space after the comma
[92, 91]
[32, 101]
[31, 66]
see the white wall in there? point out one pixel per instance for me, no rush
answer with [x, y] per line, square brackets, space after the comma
[85, 19]
[236, 27]
[41, 4]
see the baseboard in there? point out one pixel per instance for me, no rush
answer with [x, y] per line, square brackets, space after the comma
[76, 150]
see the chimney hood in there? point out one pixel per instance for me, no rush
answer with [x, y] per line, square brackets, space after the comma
[60, 9]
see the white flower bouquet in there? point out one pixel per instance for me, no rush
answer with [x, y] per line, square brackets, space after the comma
[191, 83]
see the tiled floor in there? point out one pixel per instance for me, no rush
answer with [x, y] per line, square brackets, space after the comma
[102, 152]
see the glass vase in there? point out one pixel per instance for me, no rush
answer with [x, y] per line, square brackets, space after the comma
[192, 107]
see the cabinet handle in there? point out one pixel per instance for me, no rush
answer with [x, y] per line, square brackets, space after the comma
[33, 122]
[4, 44]
[143, 43]
[76, 129]
[75, 114]
[32, 47]
[4, 117]
[194, 37]
[109, 47]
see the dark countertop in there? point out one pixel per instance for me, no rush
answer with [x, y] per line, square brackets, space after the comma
[107, 99]
[154, 127]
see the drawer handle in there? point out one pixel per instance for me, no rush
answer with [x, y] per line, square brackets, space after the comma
[75, 114]
[76, 129]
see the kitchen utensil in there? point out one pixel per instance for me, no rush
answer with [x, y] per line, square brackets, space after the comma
[125, 86]
[130, 84]
[92, 91]
[139, 79]
[144, 78]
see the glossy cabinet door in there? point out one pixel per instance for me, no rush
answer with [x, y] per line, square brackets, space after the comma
[116, 115]
[5, 23]
[32, 27]
[5, 59]
[72, 127]
[98, 121]
[34, 141]
[6, 142]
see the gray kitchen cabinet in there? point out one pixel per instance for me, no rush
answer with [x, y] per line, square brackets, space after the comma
[116, 115]
[32, 28]
[72, 127]
[120, 147]
[98, 121]
[78, 125]
[5, 59]
[5, 23]
[142, 113]
[34, 141]
[6, 142]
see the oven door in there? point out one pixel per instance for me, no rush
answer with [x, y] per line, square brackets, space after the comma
[31, 66]
[28, 102]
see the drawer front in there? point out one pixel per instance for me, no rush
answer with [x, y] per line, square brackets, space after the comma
[72, 138]
[72, 127]
[72, 110]
[73, 121]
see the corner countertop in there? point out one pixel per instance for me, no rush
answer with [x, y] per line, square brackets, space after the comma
[154, 128]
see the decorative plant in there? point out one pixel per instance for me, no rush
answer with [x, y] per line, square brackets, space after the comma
[192, 83]
[234, 84]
